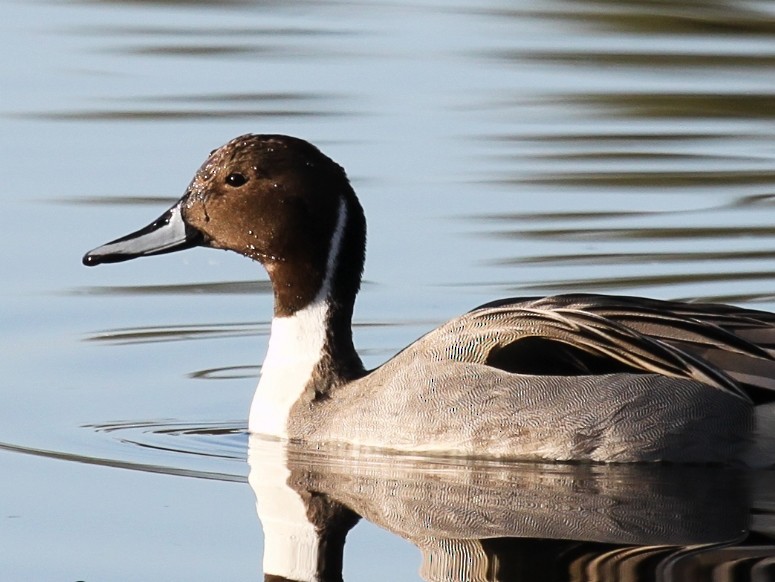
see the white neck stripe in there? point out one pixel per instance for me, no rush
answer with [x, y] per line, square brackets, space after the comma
[295, 347]
[333, 252]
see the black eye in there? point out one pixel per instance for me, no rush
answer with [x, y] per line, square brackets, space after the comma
[236, 179]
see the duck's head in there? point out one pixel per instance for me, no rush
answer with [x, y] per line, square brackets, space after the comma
[275, 199]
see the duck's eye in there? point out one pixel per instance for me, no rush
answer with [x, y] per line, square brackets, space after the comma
[236, 179]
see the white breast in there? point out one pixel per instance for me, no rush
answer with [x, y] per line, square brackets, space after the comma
[295, 347]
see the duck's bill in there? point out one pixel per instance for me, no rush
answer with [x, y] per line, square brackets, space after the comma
[167, 234]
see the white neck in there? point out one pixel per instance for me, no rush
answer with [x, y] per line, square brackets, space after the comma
[295, 347]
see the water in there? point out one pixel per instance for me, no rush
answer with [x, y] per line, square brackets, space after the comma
[499, 148]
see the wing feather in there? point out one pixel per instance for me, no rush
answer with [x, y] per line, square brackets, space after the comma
[729, 348]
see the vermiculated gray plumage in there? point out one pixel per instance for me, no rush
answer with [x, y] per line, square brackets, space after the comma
[661, 399]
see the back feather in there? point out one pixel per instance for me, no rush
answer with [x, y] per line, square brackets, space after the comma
[729, 348]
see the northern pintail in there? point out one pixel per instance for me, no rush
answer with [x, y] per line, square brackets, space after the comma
[569, 377]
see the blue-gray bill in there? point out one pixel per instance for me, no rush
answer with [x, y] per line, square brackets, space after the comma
[166, 234]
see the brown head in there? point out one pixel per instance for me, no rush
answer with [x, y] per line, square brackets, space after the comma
[275, 199]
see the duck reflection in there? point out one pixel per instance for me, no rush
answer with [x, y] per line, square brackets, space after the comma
[480, 520]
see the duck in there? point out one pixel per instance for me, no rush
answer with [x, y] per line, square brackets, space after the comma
[571, 378]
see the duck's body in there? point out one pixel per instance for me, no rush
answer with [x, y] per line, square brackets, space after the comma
[441, 395]
[573, 377]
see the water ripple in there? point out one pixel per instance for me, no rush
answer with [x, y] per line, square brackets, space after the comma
[649, 279]
[220, 440]
[227, 443]
[643, 17]
[176, 333]
[715, 232]
[220, 288]
[187, 332]
[642, 105]
[227, 373]
[241, 105]
[637, 258]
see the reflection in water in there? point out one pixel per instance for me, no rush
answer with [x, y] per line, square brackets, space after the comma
[145, 335]
[136, 114]
[227, 373]
[164, 469]
[646, 233]
[680, 106]
[220, 288]
[186, 332]
[665, 107]
[182, 3]
[644, 16]
[288, 105]
[154, 201]
[635, 258]
[664, 280]
[201, 450]
[510, 521]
